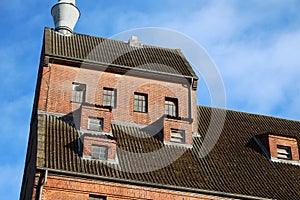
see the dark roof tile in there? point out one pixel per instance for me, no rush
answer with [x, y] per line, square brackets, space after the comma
[112, 52]
[235, 164]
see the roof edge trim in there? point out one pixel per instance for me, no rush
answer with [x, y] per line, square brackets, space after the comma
[118, 66]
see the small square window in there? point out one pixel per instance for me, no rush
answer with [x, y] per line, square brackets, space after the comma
[140, 102]
[78, 92]
[96, 197]
[177, 136]
[99, 152]
[109, 97]
[95, 124]
[284, 152]
[171, 107]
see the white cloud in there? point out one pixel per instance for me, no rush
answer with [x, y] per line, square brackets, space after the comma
[259, 78]
[252, 43]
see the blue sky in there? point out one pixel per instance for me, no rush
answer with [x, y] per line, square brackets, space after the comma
[255, 45]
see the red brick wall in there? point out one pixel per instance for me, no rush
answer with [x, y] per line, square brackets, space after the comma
[63, 188]
[56, 91]
[284, 141]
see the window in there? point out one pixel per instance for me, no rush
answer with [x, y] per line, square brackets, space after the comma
[99, 152]
[95, 197]
[109, 97]
[95, 124]
[177, 136]
[284, 152]
[140, 102]
[78, 92]
[171, 105]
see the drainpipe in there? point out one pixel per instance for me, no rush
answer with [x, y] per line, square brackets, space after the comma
[191, 103]
[42, 185]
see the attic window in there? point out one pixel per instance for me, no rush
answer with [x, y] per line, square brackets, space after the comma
[99, 147]
[284, 152]
[279, 148]
[177, 136]
[95, 124]
[99, 152]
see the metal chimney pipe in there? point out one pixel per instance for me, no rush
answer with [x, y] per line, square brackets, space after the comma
[65, 15]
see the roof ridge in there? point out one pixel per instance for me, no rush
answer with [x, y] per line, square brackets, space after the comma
[119, 41]
[117, 52]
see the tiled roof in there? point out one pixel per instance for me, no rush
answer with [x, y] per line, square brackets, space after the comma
[112, 52]
[235, 165]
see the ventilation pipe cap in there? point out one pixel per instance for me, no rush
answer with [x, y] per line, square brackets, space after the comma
[65, 15]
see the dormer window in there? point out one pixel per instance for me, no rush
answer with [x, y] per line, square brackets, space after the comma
[99, 152]
[99, 147]
[284, 152]
[78, 92]
[279, 148]
[95, 124]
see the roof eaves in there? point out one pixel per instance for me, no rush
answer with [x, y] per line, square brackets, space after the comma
[186, 62]
[115, 65]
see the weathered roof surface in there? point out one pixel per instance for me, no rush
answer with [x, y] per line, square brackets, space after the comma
[235, 165]
[113, 52]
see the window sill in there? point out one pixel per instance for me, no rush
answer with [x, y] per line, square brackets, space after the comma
[179, 144]
[108, 160]
[139, 111]
[76, 102]
[189, 120]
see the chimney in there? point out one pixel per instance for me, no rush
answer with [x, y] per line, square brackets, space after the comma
[65, 15]
[134, 41]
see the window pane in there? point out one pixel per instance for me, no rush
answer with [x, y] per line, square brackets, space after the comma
[171, 107]
[99, 152]
[96, 197]
[140, 103]
[95, 124]
[109, 97]
[78, 92]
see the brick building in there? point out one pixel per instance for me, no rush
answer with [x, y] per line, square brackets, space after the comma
[119, 120]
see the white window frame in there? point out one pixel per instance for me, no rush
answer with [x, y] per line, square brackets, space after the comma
[95, 122]
[99, 152]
